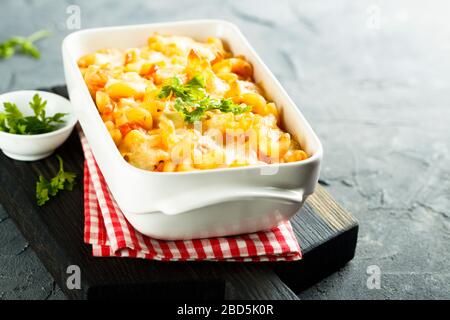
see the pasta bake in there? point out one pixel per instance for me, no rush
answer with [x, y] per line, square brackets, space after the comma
[178, 104]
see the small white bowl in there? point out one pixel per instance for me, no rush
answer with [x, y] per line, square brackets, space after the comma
[37, 146]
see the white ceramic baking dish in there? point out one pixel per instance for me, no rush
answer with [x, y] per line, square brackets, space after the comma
[187, 205]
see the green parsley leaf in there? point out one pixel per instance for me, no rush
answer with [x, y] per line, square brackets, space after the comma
[62, 181]
[3, 122]
[227, 105]
[194, 89]
[42, 189]
[191, 112]
[13, 121]
[24, 45]
[38, 106]
[12, 110]
[192, 101]
[196, 83]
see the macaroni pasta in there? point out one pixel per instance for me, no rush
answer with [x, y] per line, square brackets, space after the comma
[180, 105]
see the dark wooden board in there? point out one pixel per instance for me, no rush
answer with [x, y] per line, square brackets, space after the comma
[326, 232]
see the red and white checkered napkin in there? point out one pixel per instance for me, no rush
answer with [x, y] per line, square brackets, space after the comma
[110, 234]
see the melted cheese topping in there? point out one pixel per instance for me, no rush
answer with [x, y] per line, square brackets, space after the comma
[151, 134]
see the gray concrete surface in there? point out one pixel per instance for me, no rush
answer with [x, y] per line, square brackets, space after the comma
[372, 77]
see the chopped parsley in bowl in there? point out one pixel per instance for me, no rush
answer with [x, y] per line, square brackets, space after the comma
[34, 123]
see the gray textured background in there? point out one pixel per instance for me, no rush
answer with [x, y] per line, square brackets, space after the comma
[372, 77]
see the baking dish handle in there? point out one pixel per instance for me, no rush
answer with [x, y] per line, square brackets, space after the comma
[187, 202]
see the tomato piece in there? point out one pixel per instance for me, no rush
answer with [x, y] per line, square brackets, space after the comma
[127, 127]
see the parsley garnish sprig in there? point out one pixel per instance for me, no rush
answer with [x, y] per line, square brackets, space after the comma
[13, 121]
[24, 45]
[192, 101]
[62, 181]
